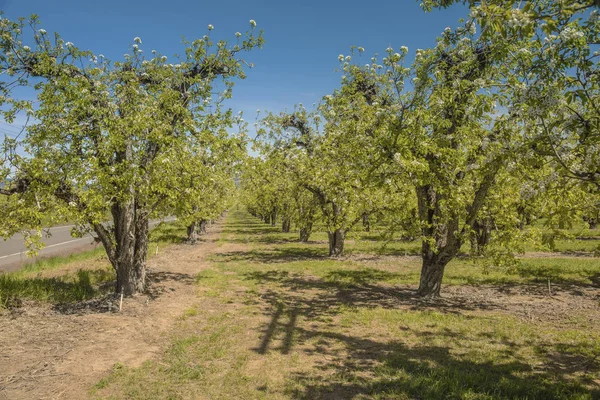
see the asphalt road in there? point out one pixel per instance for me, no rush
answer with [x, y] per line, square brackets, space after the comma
[13, 252]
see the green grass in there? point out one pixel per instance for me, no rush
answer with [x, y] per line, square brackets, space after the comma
[279, 320]
[89, 280]
[82, 285]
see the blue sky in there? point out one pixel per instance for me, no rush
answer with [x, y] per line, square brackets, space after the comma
[303, 38]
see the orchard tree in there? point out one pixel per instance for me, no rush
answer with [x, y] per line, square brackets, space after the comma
[446, 134]
[101, 130]
[267, 191]
[200, 181]
[561, 79]
[324, 153]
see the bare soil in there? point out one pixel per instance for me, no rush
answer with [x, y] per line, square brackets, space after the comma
[58, 352]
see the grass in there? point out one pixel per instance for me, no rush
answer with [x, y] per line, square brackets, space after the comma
[88, 273]
[278, 320]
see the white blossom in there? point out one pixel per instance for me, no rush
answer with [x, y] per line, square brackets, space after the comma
[210, 27]
[237, 34]
[137, 40]
[252, 23]
[42, 31]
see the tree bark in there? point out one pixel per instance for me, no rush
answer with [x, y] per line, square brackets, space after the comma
[305, 232]
[126, 245]
[273, 218]
[202, 226]
[432, 274]
[193, 231]
[286, 224]
[482, 232]
[440, 243]
[336, 242]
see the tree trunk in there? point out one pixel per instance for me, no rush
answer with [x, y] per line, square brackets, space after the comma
[131, 278]
[432, 273]
[305, 232]
[481, 235]
[336, 243]
[440, 242]
[273, 218]
[193, 231]
[286, 225]
[202, 226]
[435, 260]
[366, 222]
[127, 246]
[306, 218]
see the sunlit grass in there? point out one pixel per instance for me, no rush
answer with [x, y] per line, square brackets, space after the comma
[279, 320]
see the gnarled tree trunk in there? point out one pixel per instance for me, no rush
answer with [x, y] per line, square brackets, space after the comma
[305, 232]
[202, 226]
[336, 242]
[193, 231]
[440, 243]
[432, 270]
[127, 246]
[307, 216]
[441, 232]
[482, 233]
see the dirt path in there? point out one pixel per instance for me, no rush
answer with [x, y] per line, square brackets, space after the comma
[50, 354]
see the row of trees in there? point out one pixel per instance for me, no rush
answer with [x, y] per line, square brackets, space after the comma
[122, 141]
[496, 124]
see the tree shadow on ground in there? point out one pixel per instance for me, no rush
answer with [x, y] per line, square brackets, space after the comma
[342, 289]
[350, 366]
[154, 289]
[168, 237]
[246, 230]
[423, 372]
[265, 238]
[278, 255]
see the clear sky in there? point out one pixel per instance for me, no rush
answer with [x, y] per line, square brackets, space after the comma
[303, 38]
